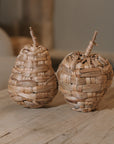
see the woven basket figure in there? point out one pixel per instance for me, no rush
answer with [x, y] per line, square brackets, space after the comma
[32, 82]
[84, 78]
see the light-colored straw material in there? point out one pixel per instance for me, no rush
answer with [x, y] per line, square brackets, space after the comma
[83, 79]
[33, 82]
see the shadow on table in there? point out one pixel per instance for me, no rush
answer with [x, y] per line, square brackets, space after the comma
[58, 100]
[108, 100]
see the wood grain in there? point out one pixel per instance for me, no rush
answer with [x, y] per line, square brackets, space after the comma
[57, 123]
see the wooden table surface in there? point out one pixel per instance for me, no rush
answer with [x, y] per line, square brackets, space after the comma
[56, 124]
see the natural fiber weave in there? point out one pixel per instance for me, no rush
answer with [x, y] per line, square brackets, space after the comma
[33, 82]
[84, 79]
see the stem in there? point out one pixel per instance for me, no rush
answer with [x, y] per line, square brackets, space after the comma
[34, 39]
[91, 44]
[94, 36]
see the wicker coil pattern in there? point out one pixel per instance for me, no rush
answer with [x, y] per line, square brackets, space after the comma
[84, 78]
[33, 82]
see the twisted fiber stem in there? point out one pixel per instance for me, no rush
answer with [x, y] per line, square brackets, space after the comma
[34, 39]
[91, 44]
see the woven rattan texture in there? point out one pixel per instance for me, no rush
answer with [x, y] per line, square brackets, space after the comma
[33, 82]
[83, 80]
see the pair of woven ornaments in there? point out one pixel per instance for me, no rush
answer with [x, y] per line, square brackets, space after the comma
[84, 78]
[33, 82]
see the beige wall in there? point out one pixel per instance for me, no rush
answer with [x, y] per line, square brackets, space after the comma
[76, 20]
[10, 11]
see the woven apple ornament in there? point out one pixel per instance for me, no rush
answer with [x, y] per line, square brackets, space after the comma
[33, 82]
[84, 78]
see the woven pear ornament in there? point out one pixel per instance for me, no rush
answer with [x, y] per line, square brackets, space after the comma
[32, 82]
[84, 78]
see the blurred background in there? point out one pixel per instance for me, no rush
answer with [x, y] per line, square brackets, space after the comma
[60, 25]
